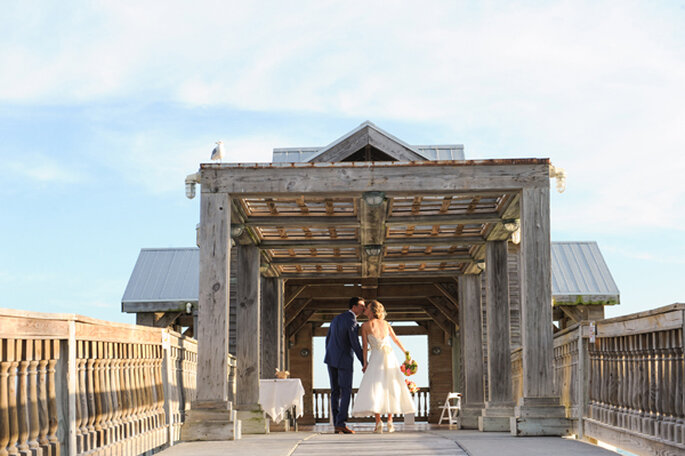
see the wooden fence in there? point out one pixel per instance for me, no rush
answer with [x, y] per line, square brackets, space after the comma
[74, 385]
[623, 379]
[321, 398]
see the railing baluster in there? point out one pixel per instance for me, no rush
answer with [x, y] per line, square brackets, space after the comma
[14, 355]
[43, 353]
[4, 396]
[53, 422]
[32, 396]
[23, 398]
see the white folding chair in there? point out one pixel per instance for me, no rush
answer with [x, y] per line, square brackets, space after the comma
[451, 409]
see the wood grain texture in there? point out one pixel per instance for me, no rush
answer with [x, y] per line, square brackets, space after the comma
[497, 309]
[471, 340]
[213, 311]
[440, 178]
[536, 293]
[272, 326]
[248, 325]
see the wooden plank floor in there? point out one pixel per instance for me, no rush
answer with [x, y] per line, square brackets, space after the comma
[368, 443]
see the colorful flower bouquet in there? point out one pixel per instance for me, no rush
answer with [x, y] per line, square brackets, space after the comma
[409, 366]
[411, 385]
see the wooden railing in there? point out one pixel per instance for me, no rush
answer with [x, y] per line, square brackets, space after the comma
[75, 385]
[637, 382]
[626, 388]
[321, 398]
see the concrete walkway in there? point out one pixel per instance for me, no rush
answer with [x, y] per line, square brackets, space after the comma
[409, 443]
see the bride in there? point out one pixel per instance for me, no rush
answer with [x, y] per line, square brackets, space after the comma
[382, 389]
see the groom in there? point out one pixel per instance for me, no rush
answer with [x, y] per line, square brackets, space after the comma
[341, 341]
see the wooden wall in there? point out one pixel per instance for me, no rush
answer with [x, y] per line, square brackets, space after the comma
[439, 369]
[302, 367]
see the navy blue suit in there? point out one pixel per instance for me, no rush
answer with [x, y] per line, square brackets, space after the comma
[342, 341]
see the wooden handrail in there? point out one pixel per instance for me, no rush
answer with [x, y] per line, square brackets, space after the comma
[129, 390]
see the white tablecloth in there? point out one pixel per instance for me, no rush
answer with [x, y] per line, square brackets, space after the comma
[276, 396]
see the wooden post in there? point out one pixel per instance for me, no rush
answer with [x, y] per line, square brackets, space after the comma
[500, 406]
[248, 317]
[210, 417]
[272, 326]
[538, 411]
[472, 349]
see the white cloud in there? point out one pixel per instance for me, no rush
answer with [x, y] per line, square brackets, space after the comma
[42, 169]
[596, 86]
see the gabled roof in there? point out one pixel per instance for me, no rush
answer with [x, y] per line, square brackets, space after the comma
[162, 277]
[368, 135]
[580, 275]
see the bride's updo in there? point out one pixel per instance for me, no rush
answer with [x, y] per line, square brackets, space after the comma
[377, 309]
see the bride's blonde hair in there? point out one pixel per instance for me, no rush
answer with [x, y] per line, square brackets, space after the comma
[377, 309]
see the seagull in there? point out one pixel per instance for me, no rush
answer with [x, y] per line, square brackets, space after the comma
[218, 152]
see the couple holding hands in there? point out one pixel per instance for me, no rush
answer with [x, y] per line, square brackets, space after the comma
[382, 390]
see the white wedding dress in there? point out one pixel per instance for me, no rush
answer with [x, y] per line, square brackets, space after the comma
[382, 389]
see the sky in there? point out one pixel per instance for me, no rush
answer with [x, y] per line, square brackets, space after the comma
[105, 107]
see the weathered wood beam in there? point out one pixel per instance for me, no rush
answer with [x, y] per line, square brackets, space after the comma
[299, 322]
[399, 330]
[447, 293]
[437, 240]
[439, 318]
[213, 309]
[416, 316]
[510, 212]
[248, 322]
[291, 295]
[335, 279]
[293, 310]
[346, 276]
[427, 258]
[315, 260]
[335, 291]
[401, 178]
[309, 243]
[444, 219]
[447, 309]
[536, 294]
[349, 243]
[302, 220]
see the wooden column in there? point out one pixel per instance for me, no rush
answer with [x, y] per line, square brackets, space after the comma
[210, 417]
[500, 406]
[272, 326]
[538, 411]
[248, 318]
[472, 349]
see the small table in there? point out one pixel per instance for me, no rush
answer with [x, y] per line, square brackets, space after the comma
[277, 396]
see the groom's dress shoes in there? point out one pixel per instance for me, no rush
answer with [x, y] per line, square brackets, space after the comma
[343, 430]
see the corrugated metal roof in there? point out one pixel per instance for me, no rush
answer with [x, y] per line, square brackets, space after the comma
[579, 269]
[164, 275]
[172, 275]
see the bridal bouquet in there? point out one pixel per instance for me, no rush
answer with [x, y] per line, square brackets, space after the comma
[411, 385]
[409, 366]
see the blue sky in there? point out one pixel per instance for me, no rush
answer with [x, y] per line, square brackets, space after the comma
[105, 107]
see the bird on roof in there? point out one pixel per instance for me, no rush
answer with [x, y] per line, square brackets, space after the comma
[218, 151]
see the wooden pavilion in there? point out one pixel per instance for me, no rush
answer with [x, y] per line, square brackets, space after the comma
[370, 215]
